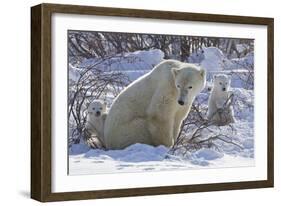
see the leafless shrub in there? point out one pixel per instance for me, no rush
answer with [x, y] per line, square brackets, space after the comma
[205, 133]
[93, 83]
[99, 44]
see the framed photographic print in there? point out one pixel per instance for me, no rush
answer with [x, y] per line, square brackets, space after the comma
[130, 102]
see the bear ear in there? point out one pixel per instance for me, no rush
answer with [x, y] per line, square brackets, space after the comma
[175, 71]
[203, 72]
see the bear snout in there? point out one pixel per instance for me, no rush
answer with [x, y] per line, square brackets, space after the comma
[181, 102]
[223, 89]
[98, 113]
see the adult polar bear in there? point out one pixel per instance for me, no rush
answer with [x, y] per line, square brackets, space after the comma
[152, 108]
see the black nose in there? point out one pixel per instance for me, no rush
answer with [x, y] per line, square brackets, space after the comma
[98, 113]
[223, 89]
[181, 102]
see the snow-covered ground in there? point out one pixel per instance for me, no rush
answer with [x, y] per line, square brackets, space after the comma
[141, 157]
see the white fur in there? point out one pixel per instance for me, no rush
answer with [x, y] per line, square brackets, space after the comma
[147, 111]
[95, 119]
[218, 109]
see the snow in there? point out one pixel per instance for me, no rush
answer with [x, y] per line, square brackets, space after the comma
[244, 104]
[214, 60]
[141, 157]
[243, 62]
[78, 148]
[208, 154]
[196, 57]
[248, 143]
[74, 73]
[138, 60]
[134, 64]
[134, 153]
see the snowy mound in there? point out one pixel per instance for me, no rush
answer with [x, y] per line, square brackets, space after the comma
[142, 157]
[196, 57]
[211, 58]
[134, 64]
[214, 60]
[76, 149]
[138, 60]
[143, 153]
[134, 153]
[208, 154]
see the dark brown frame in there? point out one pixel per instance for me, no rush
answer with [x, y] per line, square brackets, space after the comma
[41, 101]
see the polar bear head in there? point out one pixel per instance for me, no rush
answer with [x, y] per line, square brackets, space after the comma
[221, 83]
[189, 81]
[97, 108]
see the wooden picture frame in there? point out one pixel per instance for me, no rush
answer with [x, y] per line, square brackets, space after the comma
[41, 118]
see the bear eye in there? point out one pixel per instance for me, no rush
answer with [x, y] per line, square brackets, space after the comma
[190, 87]
[220, 83]
[178, 86]
[100, 108]
[93, 108]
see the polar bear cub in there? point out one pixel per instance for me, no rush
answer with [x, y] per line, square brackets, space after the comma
[220, 110]
[97, 114]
